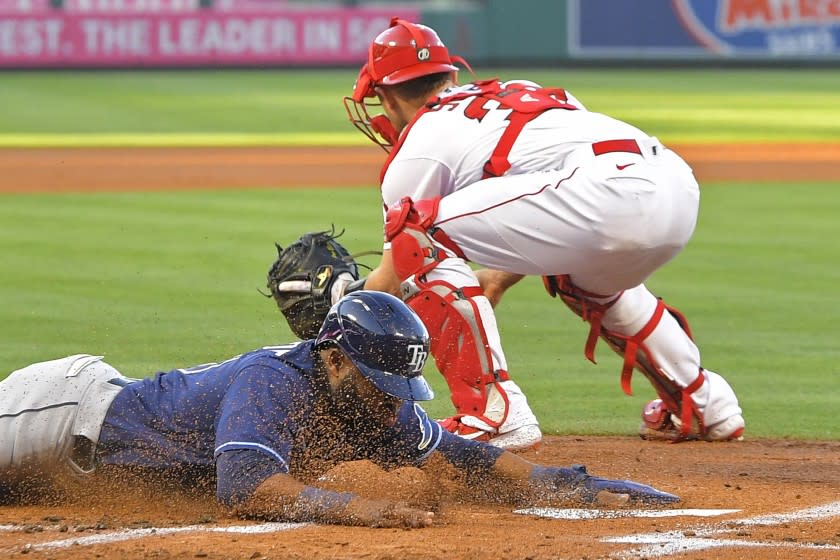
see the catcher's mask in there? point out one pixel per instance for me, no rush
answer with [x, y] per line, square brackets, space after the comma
[402, 52]
[384, 339]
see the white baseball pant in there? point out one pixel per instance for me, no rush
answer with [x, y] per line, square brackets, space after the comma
[45, 406]
[608, 221]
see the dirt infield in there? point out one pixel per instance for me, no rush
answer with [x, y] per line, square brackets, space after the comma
[767, 499]
[760, 480]
[105, 169]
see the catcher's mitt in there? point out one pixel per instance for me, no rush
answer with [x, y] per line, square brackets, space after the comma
[302, 278]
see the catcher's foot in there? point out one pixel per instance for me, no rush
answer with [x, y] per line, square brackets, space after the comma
[522, 438]
[659, 424]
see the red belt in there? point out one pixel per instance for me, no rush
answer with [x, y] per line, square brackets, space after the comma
[610, 146]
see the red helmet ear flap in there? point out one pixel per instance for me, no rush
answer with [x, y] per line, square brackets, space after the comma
[364, 85]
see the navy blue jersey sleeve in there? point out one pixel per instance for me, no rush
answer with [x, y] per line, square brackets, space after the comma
[259, 414]
[475, 458]
[412, 439]
[239, 472]
[419, 436]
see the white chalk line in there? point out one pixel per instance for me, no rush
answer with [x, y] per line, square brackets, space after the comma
[809, 514]
[702, 537]
[675, 542]
[659, 544]
[127, 534]
[572, 514]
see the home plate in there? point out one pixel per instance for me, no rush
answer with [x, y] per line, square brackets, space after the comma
[555, 513]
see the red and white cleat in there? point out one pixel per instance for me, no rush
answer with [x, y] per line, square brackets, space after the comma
[524, 437]
[658, 423]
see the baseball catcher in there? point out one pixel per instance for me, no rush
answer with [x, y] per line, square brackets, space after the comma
[522, 180]
[309, 276]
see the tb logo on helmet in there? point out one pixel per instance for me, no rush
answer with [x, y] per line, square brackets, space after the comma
[417, 357]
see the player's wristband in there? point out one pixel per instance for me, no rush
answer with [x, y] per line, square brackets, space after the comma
[343, 284]
[313, 502]
[355, 285]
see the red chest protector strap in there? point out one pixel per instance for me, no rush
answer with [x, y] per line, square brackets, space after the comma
[525, 103]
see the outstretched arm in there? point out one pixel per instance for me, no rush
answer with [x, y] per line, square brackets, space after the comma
[253, 484]
[249, 482]
[284, 497]
[525, 480]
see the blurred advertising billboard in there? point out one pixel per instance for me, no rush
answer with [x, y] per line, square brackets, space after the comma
[662, 29]
[46, 33]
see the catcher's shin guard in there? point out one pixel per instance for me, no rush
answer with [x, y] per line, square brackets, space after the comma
[688, 391]
[458, 340]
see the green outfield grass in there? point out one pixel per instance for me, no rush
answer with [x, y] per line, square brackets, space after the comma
[162, 280]
[211, 107]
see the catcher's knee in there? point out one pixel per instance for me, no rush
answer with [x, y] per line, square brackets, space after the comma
[409, 228]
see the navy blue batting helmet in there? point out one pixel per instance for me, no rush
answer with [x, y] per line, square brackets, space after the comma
[384, 339]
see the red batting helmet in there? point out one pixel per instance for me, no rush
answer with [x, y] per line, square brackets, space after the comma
[402, 52]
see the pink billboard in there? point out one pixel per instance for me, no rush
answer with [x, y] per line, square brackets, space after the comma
[255, 35]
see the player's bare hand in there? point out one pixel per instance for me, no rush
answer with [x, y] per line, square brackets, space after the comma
[399, 515]
[387, 514]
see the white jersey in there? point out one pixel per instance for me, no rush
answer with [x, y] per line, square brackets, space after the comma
[531, 183]
[445, 150]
